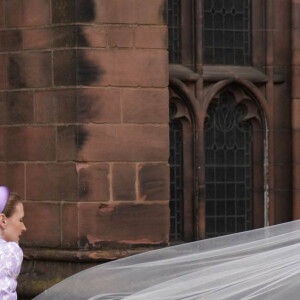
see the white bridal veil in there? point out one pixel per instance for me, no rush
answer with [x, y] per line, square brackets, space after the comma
[257, 264]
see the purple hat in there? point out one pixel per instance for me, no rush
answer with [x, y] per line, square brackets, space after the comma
[4, 194]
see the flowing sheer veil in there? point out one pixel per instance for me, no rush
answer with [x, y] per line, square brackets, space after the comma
[257, 264]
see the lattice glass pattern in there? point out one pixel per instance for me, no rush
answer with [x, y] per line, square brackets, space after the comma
[176, 178]
[174, 31]
[228, 168]
[227, 32]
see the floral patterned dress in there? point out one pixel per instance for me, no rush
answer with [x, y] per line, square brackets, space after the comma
[11, 257]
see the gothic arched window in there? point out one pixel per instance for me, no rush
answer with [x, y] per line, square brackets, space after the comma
[182, 210]
[228, 168]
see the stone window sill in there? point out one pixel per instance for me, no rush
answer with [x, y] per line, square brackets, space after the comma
[220, 72]
[214, 73]
[183, 73]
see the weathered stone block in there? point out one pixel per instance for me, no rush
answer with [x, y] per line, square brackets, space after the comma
[113, 143]
[281, 15]
[120, 36]
[282, 177]
[93, 182]
[296, 80]
[296, 204]
[29, 70]
[43, 222]
[282, 142]
[296, 146]
[66, 106]
[296, 46]
[51, 181]
[1, 14]
[113, 68]
[23, 13]
[47, 38]
[10, 40]
[13, 176]
[296, 176]
[27, 143]
[123, 181]
[123, 143]
[91, 36]
[78, 105]
[45, 107]
[145, 105]
[258, 39]
[137, 11]
[151, 37]
[70, 11]
[116, 67]
[64, 67]
[295, 14]
[283, 206]
[63, 11]
[282, 47]
[88, 71]
[2, 71]
[296, 114]
[101, 105]
[69, 225]
[64, 36]
[154, 181]
[16, 108]
[56, 106]
[85, 11]
[103, 224]
[258, 177]
[67, 143]
[37, 38]
[282, 103]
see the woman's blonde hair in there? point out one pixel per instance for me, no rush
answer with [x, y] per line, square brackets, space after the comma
[11, 204]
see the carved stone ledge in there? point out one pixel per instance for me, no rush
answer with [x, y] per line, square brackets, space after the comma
[220, 72]
[183, 73]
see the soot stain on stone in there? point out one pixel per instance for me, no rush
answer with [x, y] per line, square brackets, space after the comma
[85, 10]
[16, 113]
[81, 40]
[63, 11]
[164, 12]
[15, 77]
[64, 37]
[87, 71]
[87, 111]
[81, 137]
[11, 40]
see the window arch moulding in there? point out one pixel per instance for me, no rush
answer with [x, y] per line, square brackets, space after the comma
[186, 113]
[247, 94]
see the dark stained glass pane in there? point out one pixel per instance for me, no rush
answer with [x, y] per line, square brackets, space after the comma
[229, 55]
[176, 177]
[218, 5]
[228, 168]
[229, 24]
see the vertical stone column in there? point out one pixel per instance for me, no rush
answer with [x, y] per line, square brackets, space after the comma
[296, 105]
[282, 136]
[84, 126]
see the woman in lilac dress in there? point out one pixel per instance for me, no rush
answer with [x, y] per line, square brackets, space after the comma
[11, 255]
